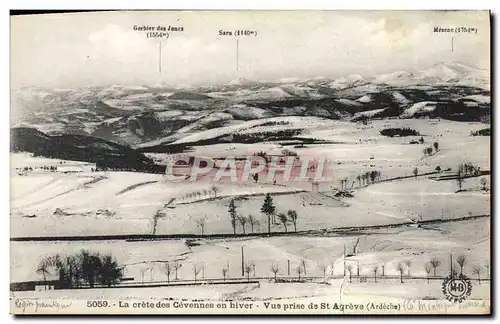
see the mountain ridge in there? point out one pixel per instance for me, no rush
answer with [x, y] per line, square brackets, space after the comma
[139, 114]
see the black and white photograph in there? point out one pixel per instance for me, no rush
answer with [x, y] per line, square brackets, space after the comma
[250, 162]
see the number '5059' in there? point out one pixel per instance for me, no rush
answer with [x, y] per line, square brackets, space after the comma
[97, 303]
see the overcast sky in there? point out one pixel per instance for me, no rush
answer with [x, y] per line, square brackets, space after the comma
[71, 50]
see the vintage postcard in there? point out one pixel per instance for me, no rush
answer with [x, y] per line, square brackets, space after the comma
[250, 162]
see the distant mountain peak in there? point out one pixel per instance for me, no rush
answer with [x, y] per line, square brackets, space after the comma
[241, 82]
[348, 81]
[439, 73]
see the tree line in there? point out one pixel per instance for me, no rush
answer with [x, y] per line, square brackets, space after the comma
[198, 194]
[366, 178]
[465, 170]
[82, 269]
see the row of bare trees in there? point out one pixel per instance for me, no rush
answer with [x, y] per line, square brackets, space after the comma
[242, 220]
[290, 216]
[198, 194]
[367, 178]
[249, 269]
[300, 269]
[172, 266]
[267, 209]
[404, 268]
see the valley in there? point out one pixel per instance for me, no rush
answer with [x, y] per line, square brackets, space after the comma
[407, 181]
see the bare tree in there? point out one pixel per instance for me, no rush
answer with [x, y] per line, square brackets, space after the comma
[224, 272]
[299, 270]
[487, 266]
[375, 269]
[435, 263]
[242, 220]
[349, 268]
[200, 222]
[151, 268]
[408, 264]
[460, 181]
[196, 271]
[303, 264]
[461, 260]
[215, 189]
[248, 269]
[44, 270]
[257, 224]
[177, 266]
[323, 268]
[252, 221]
[143, 271]
[483, 183]
[274, 269]
[167, 267]
[284, 220]
[477, 271]
[400, 267]
[292, 215]
[427, 268]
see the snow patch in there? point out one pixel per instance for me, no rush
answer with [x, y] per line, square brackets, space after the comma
[400, 98]
[423, 106]
[365, 99]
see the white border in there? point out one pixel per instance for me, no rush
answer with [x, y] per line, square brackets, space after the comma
[255, 4]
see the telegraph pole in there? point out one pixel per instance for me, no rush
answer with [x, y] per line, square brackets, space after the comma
[344, 260]
[451, 266]
[242, 262]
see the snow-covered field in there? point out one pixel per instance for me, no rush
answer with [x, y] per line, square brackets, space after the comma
[105, 203]
[376, 248]
[125, 203]
[91, 203]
